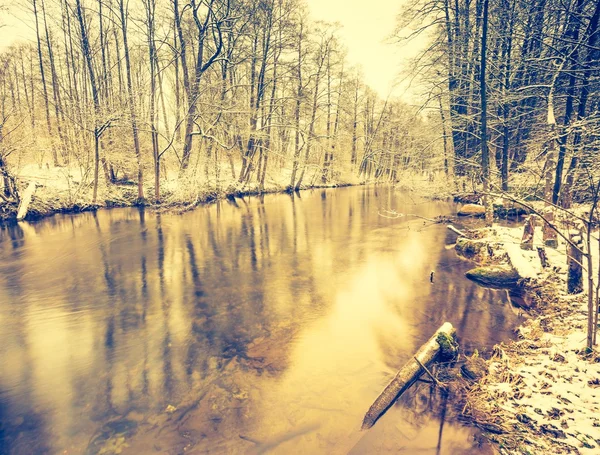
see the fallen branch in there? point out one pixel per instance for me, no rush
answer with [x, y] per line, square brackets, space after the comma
[457, 231]
[433, 378]
[441, 345]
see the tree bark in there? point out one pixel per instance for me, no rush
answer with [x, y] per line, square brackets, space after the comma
[575, 266]
[43, 77]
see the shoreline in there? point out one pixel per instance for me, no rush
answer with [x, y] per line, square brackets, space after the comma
[540, 391]
[119, 197]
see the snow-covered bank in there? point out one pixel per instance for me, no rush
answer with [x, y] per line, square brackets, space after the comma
[59, 191]
[542, 392]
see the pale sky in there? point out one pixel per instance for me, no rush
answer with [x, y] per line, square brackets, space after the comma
[366, 26]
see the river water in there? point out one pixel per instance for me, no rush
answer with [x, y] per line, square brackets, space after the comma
[256, 325]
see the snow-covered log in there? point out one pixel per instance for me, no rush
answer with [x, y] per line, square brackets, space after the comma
[456, 231]
[440, 345]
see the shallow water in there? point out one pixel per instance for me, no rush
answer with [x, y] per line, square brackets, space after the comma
[258, 325]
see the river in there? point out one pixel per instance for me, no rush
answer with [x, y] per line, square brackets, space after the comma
[253, 325]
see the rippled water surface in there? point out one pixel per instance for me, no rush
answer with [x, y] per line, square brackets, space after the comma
[260, 325]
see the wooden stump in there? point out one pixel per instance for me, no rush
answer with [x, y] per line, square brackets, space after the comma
[528, 233]
[441, 345]
[543, 257]
[549, 234]
[25, 201]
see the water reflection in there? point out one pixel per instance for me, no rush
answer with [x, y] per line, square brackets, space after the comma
[251, 325]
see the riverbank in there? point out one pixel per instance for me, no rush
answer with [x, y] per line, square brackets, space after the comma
[57, 192]
[541, 392]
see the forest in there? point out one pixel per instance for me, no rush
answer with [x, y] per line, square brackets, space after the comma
[459, 264]
[191, 98]
[181, 99]
[516, 85]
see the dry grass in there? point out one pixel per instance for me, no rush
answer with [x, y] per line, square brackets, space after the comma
[521, 403]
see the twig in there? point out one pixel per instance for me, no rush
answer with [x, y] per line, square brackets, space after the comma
[433, 378]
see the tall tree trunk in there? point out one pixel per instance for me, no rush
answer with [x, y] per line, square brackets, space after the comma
[313, 116]
[55, 88]
[572, 34]
[444, 135]
[297, 109]
[353, 155]
[485, 159]
[104, 85]
[153, 61]
[507, 47]
[90, 67]
[132, 109]
[43, 77]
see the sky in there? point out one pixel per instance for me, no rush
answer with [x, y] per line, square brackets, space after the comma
[367, 26]
[366, 29]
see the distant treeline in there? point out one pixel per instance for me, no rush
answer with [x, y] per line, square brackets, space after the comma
[225, 90]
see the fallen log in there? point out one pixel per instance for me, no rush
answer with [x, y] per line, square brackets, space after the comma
[439, 347]
[471, 210]
[494, 276]
[25, 201]
[457, 231]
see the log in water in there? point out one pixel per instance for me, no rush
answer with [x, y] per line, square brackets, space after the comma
[437, 346]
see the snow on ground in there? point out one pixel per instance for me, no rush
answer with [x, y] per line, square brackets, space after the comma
[545, 385]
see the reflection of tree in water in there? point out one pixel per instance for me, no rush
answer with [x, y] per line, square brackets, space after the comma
[23, 427]
[190, 319]
[232, 317]
[24, 434]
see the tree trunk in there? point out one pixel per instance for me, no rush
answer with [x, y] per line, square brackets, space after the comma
[572, 34]
[55, 89]
[90, 67]
[209, 26]
[574, 263]
[297, 110]
[132, 109]
[485, 159]
[43, 77]
[25, 201]
[153, 61]
[353, 155]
